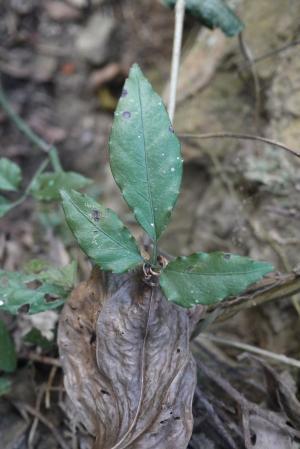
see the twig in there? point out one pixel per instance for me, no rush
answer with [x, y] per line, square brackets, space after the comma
[249, 58]
[228, 135]
[273, 53]
[282, 287]
[36, 419]
[49, 385]
[46, 423]
[250, 407]
[31, 135]
[214, 418]
[41, 359]
[249, 348]
[28, 188]
[179, 20]
[246, 428]
[269, 289]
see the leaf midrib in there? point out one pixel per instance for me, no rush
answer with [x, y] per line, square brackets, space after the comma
[230, 273]
[146, 163]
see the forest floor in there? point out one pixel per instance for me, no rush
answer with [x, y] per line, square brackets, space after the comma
[62, 65]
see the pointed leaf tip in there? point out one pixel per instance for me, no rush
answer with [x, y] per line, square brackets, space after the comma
[208, 278]
[100, 233]
[135, 70]
[145, 156]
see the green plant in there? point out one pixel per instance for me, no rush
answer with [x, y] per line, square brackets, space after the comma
[146, 163]
[43, 186]
[213, 14]
[8, 357]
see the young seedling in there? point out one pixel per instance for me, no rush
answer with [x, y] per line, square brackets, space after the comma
[146, 163]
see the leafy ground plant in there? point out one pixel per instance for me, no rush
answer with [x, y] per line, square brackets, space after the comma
[124, 334]
[146, 163]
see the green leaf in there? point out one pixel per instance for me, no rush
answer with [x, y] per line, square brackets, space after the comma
[5, 206]
[64, 277]
[208, 278]
[47, 186]
[34, 336]
[10, 175]
[213, 14]
[5, 386]
[35, 266]
[8, 357]
[100, 233]
[145, 156]
[18, 290]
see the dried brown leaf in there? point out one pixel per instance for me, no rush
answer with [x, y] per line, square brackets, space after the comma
[128, 367]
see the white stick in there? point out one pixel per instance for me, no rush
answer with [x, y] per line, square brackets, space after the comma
[179, 19]
[248, 348]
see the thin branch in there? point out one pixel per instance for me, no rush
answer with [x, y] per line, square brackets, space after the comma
[251, 407]
[253, 349]
[27, 131]
[51, 377]
[36, 419]
[28, 188]
[269, 289]
[272, 53]
[61, 442]
[228, 135]
[177, 43]
[249, 58]
[41, 359]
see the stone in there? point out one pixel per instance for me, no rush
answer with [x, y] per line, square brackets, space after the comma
[93, 43]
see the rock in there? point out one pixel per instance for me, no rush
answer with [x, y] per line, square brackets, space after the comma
[93, 42]
[61, 12]
[23, 7]
[43, 68]
[84, 3]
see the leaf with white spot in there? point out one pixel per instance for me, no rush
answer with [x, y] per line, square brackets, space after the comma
[19, 291]
[100, 233]
[145, 156]
[208, 278]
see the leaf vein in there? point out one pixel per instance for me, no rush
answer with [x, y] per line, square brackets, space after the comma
[231, 273]
[150, 199]
[98, 228]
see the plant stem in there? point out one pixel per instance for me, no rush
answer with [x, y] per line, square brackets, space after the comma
[179, 19]
[27, 131]
[249, 348]
[154, 254]
[54, 158]
[228, 135]
[249, 58]
[28, 188]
